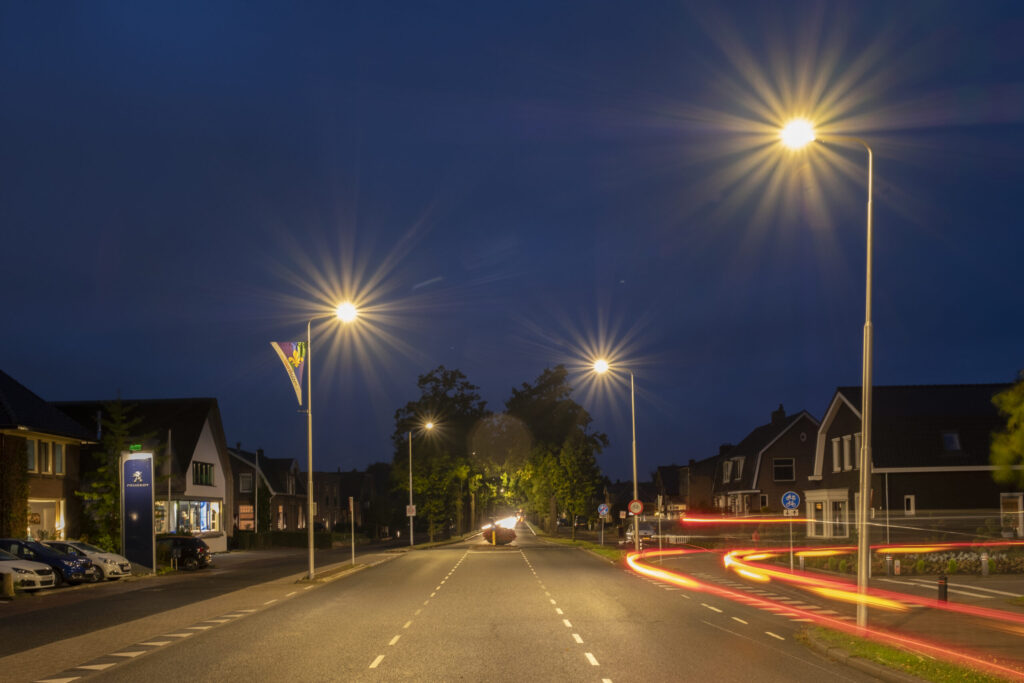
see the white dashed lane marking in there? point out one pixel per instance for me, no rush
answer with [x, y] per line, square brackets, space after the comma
[713, 609]
[591, 659]
[577, 638]
[376, 662]
[775, 635]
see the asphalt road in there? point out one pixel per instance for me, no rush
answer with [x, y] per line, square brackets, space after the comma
[529, 611]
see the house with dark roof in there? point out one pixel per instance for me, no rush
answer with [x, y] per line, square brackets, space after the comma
[752, 475]
[331, 491]
[268, 492]
[929, 462]
[40, 441]
[186, 435]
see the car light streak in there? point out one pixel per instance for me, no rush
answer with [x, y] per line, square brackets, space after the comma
[740, 520]
[636, 562]
[847, 596]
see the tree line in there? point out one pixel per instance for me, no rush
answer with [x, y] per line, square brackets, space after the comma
[538, 455]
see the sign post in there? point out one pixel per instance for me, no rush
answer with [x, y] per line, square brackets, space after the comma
[790, 503]
[138, 540]
[602, 511]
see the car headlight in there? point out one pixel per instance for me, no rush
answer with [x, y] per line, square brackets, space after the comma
[109, 561]
[22, 571]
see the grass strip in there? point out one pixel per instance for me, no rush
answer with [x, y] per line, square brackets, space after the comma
[900, 660]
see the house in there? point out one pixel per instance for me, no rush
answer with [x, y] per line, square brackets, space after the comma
[42, 444]
[930, 462]
[672, 483]
[191, 462]
[270, 492]
[331, 491]
[752, 475]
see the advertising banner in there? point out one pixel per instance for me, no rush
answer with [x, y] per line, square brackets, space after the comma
[137, 537]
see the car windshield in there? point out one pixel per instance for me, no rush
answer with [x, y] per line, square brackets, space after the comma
[43, 550]
[86, 547]
[6, 556]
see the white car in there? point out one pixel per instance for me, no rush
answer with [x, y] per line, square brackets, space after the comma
[28, 575]
[108, 565]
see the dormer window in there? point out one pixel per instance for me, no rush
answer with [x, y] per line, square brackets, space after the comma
[950, 441]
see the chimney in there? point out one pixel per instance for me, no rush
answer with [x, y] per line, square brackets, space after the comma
[724, 447]
[238, 446]
[779, 416]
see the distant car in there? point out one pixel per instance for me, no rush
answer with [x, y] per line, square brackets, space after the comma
[108, 565]
[28, 576]
[646, 532]
[189, 551]
[67, 568]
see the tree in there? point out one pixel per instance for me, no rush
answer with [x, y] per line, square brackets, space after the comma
[440, 455]
[577, 478]
[102, 493]
[1007, 449]
[13, 487]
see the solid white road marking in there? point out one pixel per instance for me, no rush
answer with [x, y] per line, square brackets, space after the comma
[394, 640]
[566, 622]
[740, 620]
[774, 635]
[591, 659]
[714, 609]
[377, 661]
[577, 638]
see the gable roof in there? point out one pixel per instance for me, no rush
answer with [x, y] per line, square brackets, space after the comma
[908, 423]
[753, 444]
[183, 417]
[22, 409]
[274, 471]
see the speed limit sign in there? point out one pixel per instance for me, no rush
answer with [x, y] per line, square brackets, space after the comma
[636, 506]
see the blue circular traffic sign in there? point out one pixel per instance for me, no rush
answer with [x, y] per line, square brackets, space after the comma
[602, 509]
[791, 500]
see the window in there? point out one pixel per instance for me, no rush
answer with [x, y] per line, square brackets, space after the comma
[739, 468]
[764, 501]
[847, 463]
[783, 469]
[58, 458]
[839, 520]
[726, 471]
[835, 455]
[909, 505]
[246, 517]
[245, 482]
[30, 448]
[202, 473]
[950, 441]
[818, 518]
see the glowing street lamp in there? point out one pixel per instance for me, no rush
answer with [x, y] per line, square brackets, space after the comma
[427, 426]
[797, 134]
[601, 366]
[347, 313]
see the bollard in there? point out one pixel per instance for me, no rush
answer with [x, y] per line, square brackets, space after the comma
[888, 565]
[942, 588]
[801, 563]
[984, 564]
[8, 585]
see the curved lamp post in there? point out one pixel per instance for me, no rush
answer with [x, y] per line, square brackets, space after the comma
[601, 366]
[426, 426]
[345, 312]
[797, 134]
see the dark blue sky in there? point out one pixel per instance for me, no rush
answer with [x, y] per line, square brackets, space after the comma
[505, 187]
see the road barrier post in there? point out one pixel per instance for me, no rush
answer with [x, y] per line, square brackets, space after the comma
[943, 588]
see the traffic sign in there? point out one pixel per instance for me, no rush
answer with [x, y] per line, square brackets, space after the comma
[410, 510]
[602, 509]
[636, 506]
[791, 500]
[790, 512]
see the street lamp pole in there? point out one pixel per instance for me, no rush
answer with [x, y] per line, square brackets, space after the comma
[795, 135]
[410, 490]
[345, 312]
[636, 490]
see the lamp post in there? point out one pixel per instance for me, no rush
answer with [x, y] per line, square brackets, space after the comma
[345, 312]
[601, 367]
[795, 135]
[428, 425]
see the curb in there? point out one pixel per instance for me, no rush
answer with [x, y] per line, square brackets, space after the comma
[838, 654]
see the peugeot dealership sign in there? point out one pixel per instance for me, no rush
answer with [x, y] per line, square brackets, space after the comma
[137, 540]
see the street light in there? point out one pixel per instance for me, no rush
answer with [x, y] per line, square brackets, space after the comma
[601, 366]
[345, 312]
[427, 426]
[795, 135]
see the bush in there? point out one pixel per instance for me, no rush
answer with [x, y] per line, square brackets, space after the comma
[951, 566]
[919, 567]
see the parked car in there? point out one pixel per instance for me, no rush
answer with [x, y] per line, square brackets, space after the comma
[646, 532]
[189, 551]
[28, 576]
[67, 568]
[108, 565]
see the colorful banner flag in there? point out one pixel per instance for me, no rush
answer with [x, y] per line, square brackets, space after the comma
[293, 355]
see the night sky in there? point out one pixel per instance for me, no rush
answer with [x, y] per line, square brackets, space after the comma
[502, 187]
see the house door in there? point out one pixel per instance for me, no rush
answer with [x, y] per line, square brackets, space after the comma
[1011, 512]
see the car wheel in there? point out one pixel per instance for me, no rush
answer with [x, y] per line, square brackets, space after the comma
[191, 564]
[58, 579]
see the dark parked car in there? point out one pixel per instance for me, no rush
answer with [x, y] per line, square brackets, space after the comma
[189, 551]
[66, 568]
